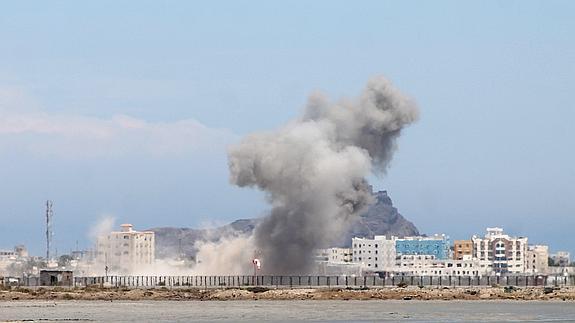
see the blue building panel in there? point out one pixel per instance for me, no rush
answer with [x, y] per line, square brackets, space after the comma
[436, 246]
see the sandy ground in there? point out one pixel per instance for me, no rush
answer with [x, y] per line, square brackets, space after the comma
[259, 293]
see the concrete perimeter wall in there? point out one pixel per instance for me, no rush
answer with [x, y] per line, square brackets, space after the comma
[322, 281]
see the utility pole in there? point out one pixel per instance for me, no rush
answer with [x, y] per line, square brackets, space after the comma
[106, 265]
[49, 214]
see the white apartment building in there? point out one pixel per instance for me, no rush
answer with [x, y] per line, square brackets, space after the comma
[536, 259]
[124, 251]
[377, 254]
[500, 252]
[428, 265]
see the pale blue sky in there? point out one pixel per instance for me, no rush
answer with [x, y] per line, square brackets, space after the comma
[125, 108]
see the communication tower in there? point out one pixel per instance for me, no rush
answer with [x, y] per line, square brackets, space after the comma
[49, 215]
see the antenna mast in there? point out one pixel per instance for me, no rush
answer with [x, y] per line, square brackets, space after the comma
[49, 215]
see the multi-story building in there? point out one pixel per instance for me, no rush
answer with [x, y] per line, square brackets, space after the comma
[462, 249]
[427, 265]
[500, 252]
[338, 255]
[12, 257]
[334, 255]
[377, 254]
[7, 258]
[126, 250]
[561, 258]
[537, 259]
[8, 254]
[436, 245]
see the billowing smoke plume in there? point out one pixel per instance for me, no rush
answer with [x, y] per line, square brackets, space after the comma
[313, 170]
[104, 226]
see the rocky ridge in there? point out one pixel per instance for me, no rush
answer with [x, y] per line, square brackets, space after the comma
[381, 218]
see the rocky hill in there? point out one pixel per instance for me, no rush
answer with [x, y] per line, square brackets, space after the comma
[381, 218]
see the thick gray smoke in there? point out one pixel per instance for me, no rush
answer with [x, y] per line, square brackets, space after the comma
[313, 170]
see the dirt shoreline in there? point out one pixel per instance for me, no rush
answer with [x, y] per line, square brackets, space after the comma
[260, 293]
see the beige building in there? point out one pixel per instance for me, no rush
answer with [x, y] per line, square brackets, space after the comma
[462, 249]
[126, 250]
[536, 259]
[500, 252]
